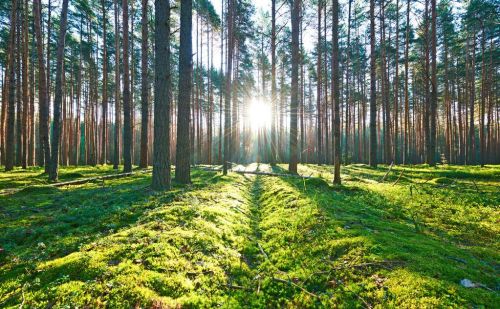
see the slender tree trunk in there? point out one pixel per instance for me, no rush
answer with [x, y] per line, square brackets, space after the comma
[78, 124]
[183, 151]
[25, 85]
[117, 137]
[407, 100]
[432, 149]
[326, 154]
[292, 166]
[162, 98]
[385, 88]
[43, 101]
[319, 133]
[19, 95]
[395, 154]
[273, 82]
[144, 87]
[132, 85]
[49, 35]
[104, 132]
[472, 99]
[447, 108]
[427, 77]
[199, 88]
[484, 82]
[32, 142]
[301, 95]
[347, 83]
[127, 122]
[229, 71]
[3, 115]
[56, 130]
[336, 92]
[373, 89]
[490, 149]
[11, 107]
[221, 90]
[210, 60]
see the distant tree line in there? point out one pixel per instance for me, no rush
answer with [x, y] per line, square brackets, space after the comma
[125, 83]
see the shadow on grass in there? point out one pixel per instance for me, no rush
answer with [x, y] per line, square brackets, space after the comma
[423, 263]
[42, 224]
[36, 175]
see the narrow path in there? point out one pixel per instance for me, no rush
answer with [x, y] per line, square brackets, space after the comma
[255, 192]
[247, 284]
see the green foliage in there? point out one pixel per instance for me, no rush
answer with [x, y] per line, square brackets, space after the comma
[240, 241]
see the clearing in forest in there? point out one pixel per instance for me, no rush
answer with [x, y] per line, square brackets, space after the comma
[407, 238]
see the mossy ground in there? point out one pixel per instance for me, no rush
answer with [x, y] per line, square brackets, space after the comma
[254, 241]
[19, 178]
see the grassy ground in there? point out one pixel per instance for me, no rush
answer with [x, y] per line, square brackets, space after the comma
[20, 178]
[259, 241]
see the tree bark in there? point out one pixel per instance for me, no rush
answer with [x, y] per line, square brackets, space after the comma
[385, 88]
[56, 130]
[25, 85]
[292, 166]
[43, 101]
[117, 144]
[11, 107]
[273, 82]
[319, 134]
[406, 139]
[432, 143]
[373, 89]
[127, 122]
[472, 99]
[183, 151]
[228, 82]
[427, 77]
[144, 87]
[162, 98]
[104, 124]
[347, 83]
[395, 153]
[336, 92]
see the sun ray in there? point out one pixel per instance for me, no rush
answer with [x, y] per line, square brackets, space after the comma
[259, 114]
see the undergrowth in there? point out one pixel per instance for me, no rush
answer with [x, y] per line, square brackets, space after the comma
[406, 240]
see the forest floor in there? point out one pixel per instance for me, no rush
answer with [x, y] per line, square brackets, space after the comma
[421, 237]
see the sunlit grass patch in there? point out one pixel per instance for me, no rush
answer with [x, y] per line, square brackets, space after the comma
[378, 243]
[256, 241]
[129, 246]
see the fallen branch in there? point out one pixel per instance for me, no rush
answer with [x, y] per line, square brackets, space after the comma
[78, 181]
[447, 185]
[237, 287]
[397, 180]
[102, 178]
[367, 305]
[424, 182]
[477, 188]
[86, 180]
[258, 173]
[390, 169]
[383, 264]
[295, 285]
[274, 174]
[262, 251]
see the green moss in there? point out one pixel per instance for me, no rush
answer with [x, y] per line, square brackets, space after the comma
[254, 241]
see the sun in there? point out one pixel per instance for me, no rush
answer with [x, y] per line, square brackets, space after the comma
[259, 114]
